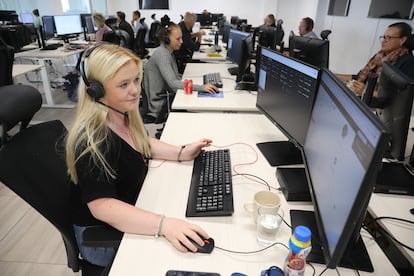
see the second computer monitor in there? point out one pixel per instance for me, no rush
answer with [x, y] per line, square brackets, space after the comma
[310, 50]
[234, 48]
[286, 91]
[68, 25]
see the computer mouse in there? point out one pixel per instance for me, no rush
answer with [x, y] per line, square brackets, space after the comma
[207, 248]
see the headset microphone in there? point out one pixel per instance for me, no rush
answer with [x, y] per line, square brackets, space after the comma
[113, 108]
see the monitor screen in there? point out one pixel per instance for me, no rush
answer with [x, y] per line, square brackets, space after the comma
[68, 24]
[245, 57]
[310, 50]
[26, 17]
[48, 27]
[234, 45]
[87, 23]
[343, 149]
[400, 9]
[286, 91]
[226, 32]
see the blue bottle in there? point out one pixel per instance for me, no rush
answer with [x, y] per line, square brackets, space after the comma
[299, 248]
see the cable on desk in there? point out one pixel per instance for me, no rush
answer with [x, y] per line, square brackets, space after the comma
[252, 175]
[254, 251]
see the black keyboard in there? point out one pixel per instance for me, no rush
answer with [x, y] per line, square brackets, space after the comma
[214, 79]
[211, 191]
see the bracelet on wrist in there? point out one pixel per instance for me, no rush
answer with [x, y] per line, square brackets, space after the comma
[159, 228]
[179, 153]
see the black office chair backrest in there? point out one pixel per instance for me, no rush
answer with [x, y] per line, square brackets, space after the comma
[111, 23]
[18, 104]
[6, 64]
[325, 33]
[154, 33]
[32, 165]
[139, 43]
[118, 37]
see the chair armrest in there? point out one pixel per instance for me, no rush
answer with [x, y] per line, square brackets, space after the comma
[102, 236]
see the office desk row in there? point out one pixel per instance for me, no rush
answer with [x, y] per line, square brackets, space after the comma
[166, 188]
[232, 100]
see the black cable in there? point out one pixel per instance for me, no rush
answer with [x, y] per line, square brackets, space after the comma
[313, 269]
[323, 271]
[391, 218]
[264, 181]
[252, 252]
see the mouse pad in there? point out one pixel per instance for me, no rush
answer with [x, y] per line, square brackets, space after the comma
[211, 95]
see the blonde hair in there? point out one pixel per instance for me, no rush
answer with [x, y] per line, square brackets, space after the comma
[99, 19]
[89, 133]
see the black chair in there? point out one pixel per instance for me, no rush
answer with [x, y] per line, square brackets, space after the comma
[118, 37]
[18, 104]
[139, 43]
[325, 33]
[111, 23]
[154, 31]
[6, 66]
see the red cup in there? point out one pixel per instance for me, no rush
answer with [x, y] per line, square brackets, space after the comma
[188, 87]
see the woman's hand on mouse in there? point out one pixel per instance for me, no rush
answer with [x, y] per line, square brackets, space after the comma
[178, 232]
[192, 150]
[210, 88]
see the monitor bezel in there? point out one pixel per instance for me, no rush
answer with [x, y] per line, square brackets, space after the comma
[229, 55]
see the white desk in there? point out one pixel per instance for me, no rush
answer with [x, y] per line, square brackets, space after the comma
[40, 56]
[395, 206]
[165, 191]
[20, 69]
[232, 101]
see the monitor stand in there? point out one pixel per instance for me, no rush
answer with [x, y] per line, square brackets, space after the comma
[279, 153]
[395, 178]
[355, 255]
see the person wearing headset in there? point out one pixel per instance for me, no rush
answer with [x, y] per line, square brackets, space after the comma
[306, 28]
[107, 150]
[161, 71]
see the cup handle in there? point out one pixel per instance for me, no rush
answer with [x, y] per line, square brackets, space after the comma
[249, 207]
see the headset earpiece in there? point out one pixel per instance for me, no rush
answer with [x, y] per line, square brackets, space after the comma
[94, 88]
[167, 40]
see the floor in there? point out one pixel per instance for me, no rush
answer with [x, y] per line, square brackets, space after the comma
[29, 244]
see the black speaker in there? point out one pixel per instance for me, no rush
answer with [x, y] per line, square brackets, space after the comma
[94, 88]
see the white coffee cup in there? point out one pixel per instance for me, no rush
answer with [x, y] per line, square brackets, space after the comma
[262, 199]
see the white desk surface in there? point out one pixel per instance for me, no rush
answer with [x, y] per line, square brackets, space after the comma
[60, 52]
[165, 191]
[395, 206]
[20, 69]
[233, 100]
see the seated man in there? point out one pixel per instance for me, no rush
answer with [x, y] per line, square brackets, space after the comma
[191, 41]
[306, 28]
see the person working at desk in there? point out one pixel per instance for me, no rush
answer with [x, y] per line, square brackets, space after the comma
[397, 44]
[161, 71]
[99, 21]
[306, 28]
[106, 153]
[191, 41]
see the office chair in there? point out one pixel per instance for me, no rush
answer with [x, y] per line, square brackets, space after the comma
[154, 31]
[139, 43]
[325, 33]
[32, 165]
[111, 23]
[18, 104]
[118, 37]
[6, 66]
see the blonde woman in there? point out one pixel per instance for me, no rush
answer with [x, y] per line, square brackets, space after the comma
[106, 153]
[99, 21]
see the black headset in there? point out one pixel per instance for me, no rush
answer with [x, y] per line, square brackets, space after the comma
[94, 88]
[167, 31]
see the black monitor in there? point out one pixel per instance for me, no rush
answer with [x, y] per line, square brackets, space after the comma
[68, 26]
[87, 24]
[245, 78]
[310, 50]
[48, 26]
[343, 149]
[234, 49]
[204, 19]
[395, 98]
[286, 90]
[26, 18]
[226, 32]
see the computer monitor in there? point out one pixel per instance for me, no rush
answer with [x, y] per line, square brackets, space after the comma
[26, 18]
[68, 26]
[204, 19]
[310, 50]
[286, 90]
[234, 49]
[245, 58]
[343, 149]
[226, 32]
[395, 100]
[270, 36]
[87, 24]
[48, 25]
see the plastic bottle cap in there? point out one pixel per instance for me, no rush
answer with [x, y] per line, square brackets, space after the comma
[302, 233]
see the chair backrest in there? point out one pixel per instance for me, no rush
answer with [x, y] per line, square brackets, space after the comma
[139, 43]
[18, 104]
[6, 64]
[154, 32]
[118, 37]
[32, 165]
[325, 33]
